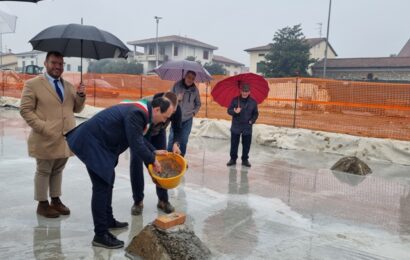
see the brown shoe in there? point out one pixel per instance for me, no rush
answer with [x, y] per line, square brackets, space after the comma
[165, 206]
[137, 208]
[59, 206]
[45, 210]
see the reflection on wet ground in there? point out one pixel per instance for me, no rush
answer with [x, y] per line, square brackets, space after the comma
[287, 206]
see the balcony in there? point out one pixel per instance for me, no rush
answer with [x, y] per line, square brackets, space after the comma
[145, 57]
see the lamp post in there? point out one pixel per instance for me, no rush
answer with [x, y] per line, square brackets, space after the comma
[327, 40]
[157, 18]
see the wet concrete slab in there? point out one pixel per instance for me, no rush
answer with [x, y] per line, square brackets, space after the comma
[288, 205]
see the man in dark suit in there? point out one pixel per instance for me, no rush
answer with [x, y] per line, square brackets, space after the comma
[244, 112]
[98, 143]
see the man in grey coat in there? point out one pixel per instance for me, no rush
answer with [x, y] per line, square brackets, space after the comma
[190, 102]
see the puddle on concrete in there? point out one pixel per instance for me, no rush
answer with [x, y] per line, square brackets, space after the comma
[287, 206]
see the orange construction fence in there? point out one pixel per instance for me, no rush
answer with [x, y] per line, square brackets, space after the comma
[359, 108]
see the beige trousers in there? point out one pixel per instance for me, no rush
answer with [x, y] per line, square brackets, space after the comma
[49, 175]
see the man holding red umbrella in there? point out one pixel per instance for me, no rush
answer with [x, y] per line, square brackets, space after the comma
[244, 112]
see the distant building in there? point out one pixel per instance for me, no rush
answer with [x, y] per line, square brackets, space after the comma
[171, 47]
[384, 68]
[396, 68]
[8, 61]
[232, 67]
[317, 51]
[71, 64]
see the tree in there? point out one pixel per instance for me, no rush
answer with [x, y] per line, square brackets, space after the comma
[117, 66]
[289, 54]
[215, 68]
[190, 58]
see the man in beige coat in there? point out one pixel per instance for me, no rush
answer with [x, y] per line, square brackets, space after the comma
[48, 104]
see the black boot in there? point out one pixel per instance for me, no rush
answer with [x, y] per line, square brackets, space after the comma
[246, 163]
[231, 162]
[107, 240]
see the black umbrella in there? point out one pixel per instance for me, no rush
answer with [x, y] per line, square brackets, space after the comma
[32, 1]
[76, 40]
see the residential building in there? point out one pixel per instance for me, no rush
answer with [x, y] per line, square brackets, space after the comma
[8, 61]
[383, 68]
[394, 68]
[71, 64]
[171, 47]
[317, 51]
[232, 67]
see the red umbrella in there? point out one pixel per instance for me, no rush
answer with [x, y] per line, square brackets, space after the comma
[229, 88]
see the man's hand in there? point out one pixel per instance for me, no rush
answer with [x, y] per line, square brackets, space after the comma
[81, 89]
[157, 167]
[175, 148]
[161, 152]
[180, 96]
[237, 110]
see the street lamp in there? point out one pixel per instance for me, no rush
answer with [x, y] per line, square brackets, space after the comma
[157, 18]
[327, 40]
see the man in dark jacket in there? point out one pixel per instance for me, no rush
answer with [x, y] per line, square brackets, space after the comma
[157, 137]
[99, 142]
[244, 112]
[190, 102]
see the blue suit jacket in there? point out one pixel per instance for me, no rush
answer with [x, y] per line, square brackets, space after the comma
[99, 141]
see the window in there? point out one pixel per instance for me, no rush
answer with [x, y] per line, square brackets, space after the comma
[261, 54]
[162, 50]
[79, 68]
[175, 50]
[24, 63]
[32, 62]
[68, 67]
[151, 51]
[260, 67]
[206, 55]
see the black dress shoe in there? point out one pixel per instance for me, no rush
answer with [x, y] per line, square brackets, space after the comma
[117, 225]
[107, 240]
[231, 162]
[246, 163]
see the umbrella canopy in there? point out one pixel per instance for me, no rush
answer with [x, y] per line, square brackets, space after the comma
[7, 22]
[176, 70]
[76, 40]
[229, 88]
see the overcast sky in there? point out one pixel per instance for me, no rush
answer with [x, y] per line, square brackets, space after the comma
[358, 28]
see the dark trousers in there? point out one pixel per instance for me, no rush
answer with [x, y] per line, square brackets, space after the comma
[185, 132]
[101, 203]
[137, 182]
[246, 146]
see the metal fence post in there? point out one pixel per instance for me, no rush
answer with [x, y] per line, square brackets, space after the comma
[294, 108]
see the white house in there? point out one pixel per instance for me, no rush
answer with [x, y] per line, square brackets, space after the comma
[171, 47]
[317, 51]
[232, 67]
[71, 64]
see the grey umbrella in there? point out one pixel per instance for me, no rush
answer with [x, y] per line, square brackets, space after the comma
[176, 70]
[76, 40]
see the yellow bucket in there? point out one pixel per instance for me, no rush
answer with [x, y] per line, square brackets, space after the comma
[169, 183]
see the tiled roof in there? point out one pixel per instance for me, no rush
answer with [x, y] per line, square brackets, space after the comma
[173, 38]
[222, 59]
[311, 41]
[383, 62]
